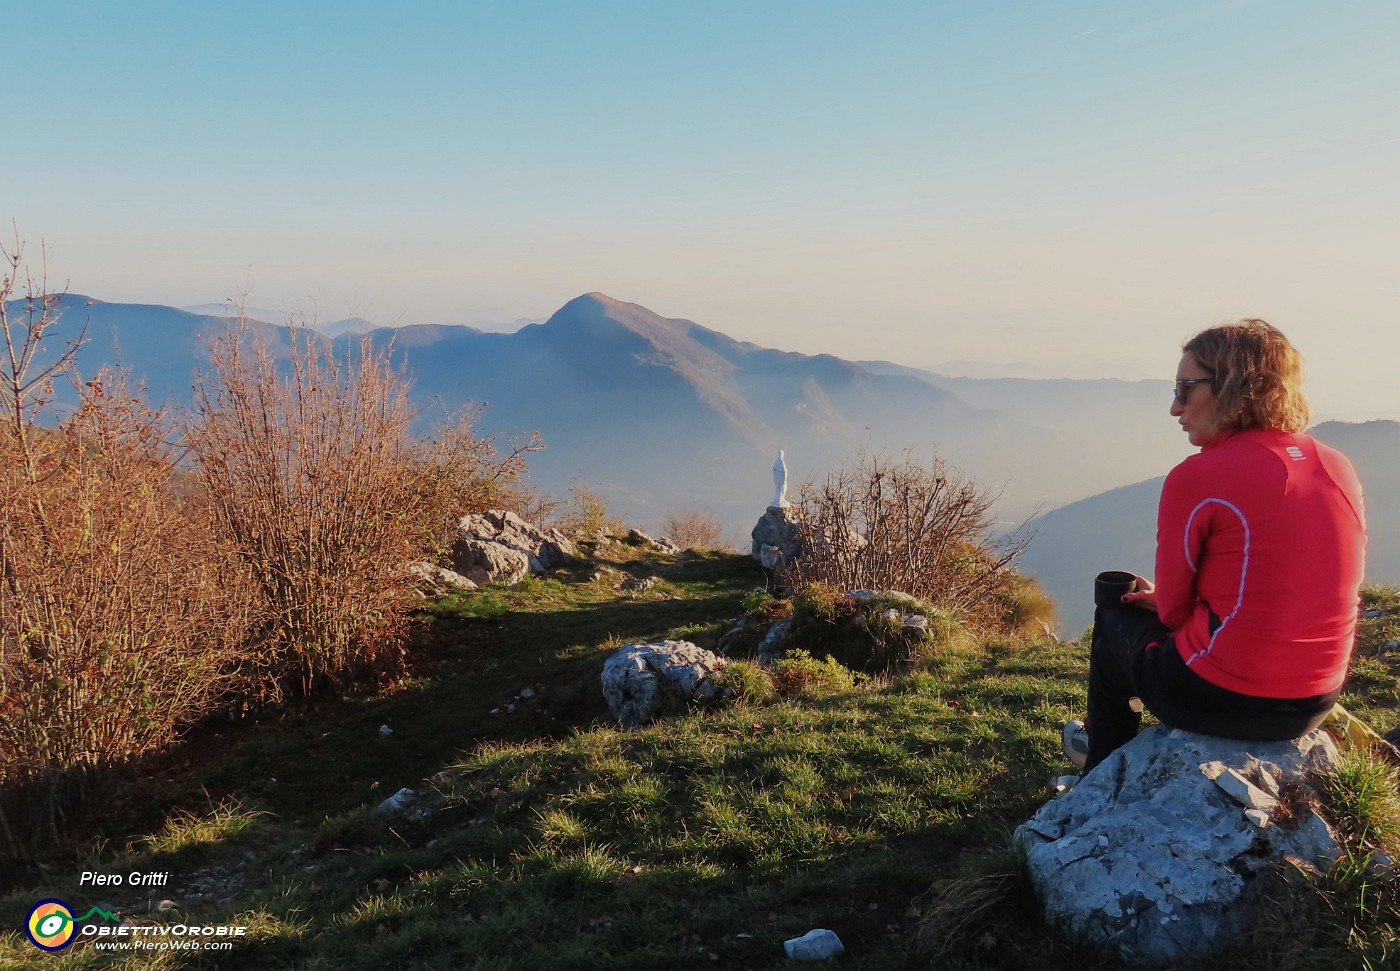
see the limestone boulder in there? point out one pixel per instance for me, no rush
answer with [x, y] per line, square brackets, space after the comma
[497, 546]
[775, 538]
[642, 682]
[1160, 853]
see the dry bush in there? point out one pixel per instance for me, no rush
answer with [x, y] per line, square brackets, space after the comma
[1027, 610]
[308, 477]
[115, 622]
[313, 476]
[531, 503]
[458, 473]
[879, 524]
[584, 515]
[693, 529]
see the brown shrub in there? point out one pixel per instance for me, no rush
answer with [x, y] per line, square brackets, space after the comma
[584, 515]
[1027, 610]
[116, 620]
[693, 529]
[118, 623]
[116, 617]
[457, 473]
[304, 473]
[878, 524]
[313, 476]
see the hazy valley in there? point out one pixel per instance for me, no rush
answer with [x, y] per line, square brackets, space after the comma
[660, 414]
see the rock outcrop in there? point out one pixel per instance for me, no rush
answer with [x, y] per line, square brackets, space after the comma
[635, 537]
[645, 681]
[498, 546]
[775, 538]
[1160, 853]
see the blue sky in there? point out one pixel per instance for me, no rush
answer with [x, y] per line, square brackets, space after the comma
[1070, 187]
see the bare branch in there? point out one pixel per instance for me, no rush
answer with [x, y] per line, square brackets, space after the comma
[880, 524]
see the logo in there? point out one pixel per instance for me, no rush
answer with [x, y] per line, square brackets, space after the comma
[50, 925]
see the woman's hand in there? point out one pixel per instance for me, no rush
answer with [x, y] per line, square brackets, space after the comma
[1145, 596]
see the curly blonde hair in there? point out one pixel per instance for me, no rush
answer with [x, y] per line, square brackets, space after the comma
[1257, 376]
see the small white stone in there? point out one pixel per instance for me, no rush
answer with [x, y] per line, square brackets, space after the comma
[1240, 789]
[385, 730]
[1257, 816]
[527, 693]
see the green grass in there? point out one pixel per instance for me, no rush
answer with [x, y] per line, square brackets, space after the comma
[552, 839]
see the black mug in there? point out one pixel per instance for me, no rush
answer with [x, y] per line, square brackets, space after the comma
[1110, 585]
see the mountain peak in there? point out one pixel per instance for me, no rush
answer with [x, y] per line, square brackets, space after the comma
[600, 297]
[595, 305]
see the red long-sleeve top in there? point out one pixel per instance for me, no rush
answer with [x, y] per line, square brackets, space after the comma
[1261, 551]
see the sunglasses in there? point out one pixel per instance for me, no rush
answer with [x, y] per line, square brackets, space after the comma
[1183, 387]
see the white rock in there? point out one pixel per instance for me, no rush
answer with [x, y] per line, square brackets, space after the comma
[1159, 828]
[1238, 788]
[440, 579]
[815, 945]
[396, 802]
[498, 546]
[385, 730]
[643, 681]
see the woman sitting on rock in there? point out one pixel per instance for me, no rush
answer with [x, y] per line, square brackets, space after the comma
[1261, 540]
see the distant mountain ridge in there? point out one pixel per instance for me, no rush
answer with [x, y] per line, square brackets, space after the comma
[656, 412]
[663, 414]
[693, 412]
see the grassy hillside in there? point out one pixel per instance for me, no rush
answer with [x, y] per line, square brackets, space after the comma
[544, 837]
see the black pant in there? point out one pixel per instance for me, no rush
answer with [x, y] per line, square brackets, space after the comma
[1132, 655]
